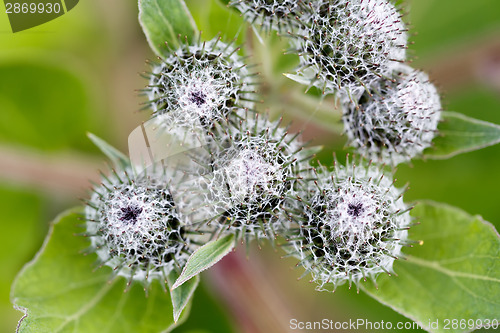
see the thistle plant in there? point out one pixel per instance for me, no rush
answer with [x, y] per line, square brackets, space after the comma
[215, 169]
[253, 168]
[345, 46]
[352, 225]
[135, 229]
[200, 83]
[397, 120]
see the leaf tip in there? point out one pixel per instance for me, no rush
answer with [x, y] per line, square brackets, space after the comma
[176, 285]
[177, 314]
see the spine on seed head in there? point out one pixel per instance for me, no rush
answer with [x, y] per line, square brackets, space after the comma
[269, 15]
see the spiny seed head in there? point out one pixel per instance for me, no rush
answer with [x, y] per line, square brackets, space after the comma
[199, 84]
[353, 223]
[345, 45]
[398, 121]
[134, 228]
[268, 14]
[251, 169]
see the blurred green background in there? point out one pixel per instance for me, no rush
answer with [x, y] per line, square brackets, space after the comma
[79, 73]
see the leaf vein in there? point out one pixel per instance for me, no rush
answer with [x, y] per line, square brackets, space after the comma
[86, 307]
[165, 20]
[436, 266]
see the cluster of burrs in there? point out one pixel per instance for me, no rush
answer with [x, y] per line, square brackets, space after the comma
[356, 50]
[234, 171]
[349, 223]
[233, 175]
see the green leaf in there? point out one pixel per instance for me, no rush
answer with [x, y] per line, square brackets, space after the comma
[205, 257]
[163, 21]
[116, 156]
[207, 314]
[19, 240]
[213, 17]
[461, 134]
[59, 292]
[454, 274]
[181, 295]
